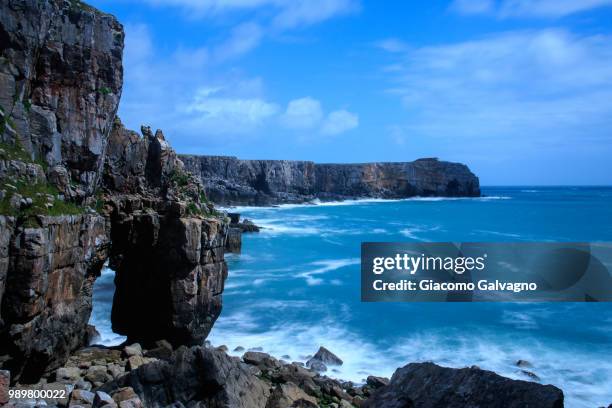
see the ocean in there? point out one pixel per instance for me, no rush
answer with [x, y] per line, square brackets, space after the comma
[296, 286]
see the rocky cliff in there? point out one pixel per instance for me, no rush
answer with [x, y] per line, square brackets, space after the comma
[229, 181]
[78, 190]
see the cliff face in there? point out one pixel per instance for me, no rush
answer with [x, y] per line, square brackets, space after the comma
[60, 83]
[77, 189]
[229, 181]
[167, 247]
[49, 274]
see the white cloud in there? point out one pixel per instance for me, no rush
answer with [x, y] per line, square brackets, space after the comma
[295, 13]
[527, 8]
[392, 45]
[524, 88]
[303, 113]
[285, 14]
[229, 113]
[339, 121]
[306, 114]
[473, 6]
[243, 39]
[184, 94]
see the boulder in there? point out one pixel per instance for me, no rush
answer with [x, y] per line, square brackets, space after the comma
[132, 350]
[233, 241]
[288, 394]
[97, 374]
[326, 357]
[377, 382]
[192, 375]
[5, 382]
[523, 363]
[426, 385]
[72, 374]
[102, 399]
[262, 360]
[123, 394]
[317, 366]
[82, 397]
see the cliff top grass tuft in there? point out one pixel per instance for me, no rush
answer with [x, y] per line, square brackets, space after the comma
[44, 196]
[45, 200]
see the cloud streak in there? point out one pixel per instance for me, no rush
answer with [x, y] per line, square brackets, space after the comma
[185, 94]
[285, 14]
[519, 91]
[527, 8]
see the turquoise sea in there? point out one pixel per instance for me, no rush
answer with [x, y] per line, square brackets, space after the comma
[296, 286]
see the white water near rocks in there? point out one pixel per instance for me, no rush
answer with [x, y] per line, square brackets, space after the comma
[295, 287]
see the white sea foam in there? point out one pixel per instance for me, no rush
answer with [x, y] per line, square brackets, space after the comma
[357, 201]
[499, 233]
[585, 378]
[324, 267]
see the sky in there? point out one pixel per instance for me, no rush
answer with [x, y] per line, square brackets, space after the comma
[519, 90]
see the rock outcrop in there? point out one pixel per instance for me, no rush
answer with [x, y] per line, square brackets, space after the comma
[77, 189]
[207, 376]
[60, 83]
[426, 385]
[49, 273]
[167, 245]
[230, 181]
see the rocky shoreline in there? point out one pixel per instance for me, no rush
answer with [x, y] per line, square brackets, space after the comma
[131, 376]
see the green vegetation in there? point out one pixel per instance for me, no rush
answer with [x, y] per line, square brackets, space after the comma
[105, 90]
[192, 209]
[27, 105]
[17, 152]
[44, 196]
[326, 401]
[14, 152]
[180, 178]
[203, 198]
[99, 202]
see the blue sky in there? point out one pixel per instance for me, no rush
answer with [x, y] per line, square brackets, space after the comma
[520, 90]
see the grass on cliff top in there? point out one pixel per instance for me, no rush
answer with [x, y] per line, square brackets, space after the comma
[38, 192]
[15, 151]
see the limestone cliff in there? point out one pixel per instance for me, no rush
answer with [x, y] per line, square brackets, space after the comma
[77, 189]
[229, 181]
[167, 245]
[60, 83]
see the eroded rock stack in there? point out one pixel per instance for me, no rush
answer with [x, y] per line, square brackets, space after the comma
[167, 244]
[230, 181]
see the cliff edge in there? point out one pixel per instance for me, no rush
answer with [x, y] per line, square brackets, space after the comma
[78, 190]
[231, 181]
